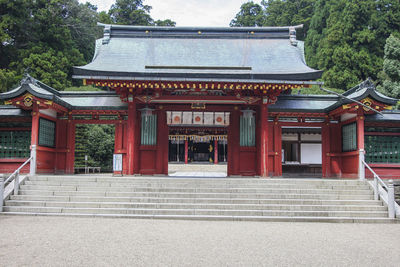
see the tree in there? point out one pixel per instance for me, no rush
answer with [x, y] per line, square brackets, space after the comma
[345, 39]
[47, 38]
[391, 67]
[250, 14]
[8, 79]
[276, 13]
[130, 12]
[166, 22]
[289, 12]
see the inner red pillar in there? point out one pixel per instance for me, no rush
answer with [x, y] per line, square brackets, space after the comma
[263, 141]
[215, 151]
[70, 147]
[326, 159]
[186, 151]
[233, 143]
[131, 137]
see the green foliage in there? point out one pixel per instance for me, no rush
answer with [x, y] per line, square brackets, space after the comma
[86, 88]
[250, 14]
[130, 12]
[315, 90]
[166, 22]
[276, 13]
[97, 142]
[46, 38]
[345, 39]
[391, 68]
[289, 12]
[8, 79]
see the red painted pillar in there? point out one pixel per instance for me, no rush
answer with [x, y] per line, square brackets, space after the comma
[215, 151]
[326, 159]
[35, 126]
[277, 149]
[263, 141]
[162, 143]
[186, 151]
[131, 138]
[70, 147]
[118, 138]
[234, 142]
[360, 132]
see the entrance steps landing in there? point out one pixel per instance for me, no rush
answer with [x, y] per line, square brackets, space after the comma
[197, 170]
[251, 199]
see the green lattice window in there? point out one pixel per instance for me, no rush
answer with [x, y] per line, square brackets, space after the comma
[247, 131]
[349, 137]
[382, 149]
[47, 130]
[149, 129]
[15, 144]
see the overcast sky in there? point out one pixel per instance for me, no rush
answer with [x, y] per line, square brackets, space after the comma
[187, 12]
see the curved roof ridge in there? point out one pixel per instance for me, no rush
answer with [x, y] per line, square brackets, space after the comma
[196, 28]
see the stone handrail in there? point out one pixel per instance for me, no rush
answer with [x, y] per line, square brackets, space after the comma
[15, 177]
[381, 190]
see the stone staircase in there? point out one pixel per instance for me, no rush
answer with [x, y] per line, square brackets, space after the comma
[320, 200]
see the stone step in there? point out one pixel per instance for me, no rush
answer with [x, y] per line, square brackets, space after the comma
[196, 181]
[206, 212]
[330, 200]
[200, 186]
[219, 218]
[141, 205]
[196, 195]
[192, 190]
[196, 200]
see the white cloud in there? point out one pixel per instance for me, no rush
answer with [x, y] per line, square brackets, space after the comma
[187, 12]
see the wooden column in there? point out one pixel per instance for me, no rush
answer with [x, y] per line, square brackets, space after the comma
[70, 147]
[263, 140]
[360, 131]
[162, 143]
[35, 126]
[215, 151]
[234, 142]
[277, 149]
[131, 140]
[186, 151]
[326, 159]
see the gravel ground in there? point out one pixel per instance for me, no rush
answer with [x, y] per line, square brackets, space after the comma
[69, 241]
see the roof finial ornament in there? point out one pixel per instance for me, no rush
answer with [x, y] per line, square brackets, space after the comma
[368, 83]
[292, 36]
[107, 34]
[26, 78]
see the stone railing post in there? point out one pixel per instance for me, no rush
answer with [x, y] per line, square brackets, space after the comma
[1, 192]
[361, 167]
[32, 170]
[16, 183]
[376, 188]
[391, 201]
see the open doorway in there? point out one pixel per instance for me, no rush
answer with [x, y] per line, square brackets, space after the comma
[197, 152]
[301, 152]
[94, 148]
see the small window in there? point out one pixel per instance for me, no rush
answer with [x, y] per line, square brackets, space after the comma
[47, 130]
[149, 129]
[247, 131]
[15, 144]
[349, 137]
[382, 149]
